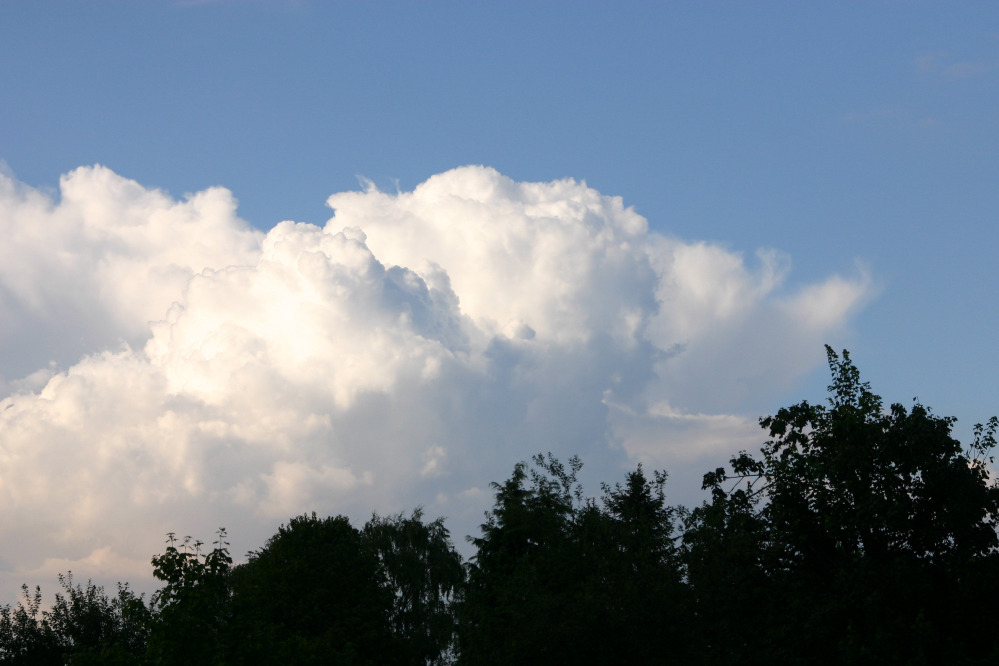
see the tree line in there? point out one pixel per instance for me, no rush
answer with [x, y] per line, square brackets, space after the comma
[857, 534]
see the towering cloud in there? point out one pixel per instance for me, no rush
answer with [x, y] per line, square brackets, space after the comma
[167, 368]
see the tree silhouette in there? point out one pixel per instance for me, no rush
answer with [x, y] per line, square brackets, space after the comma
[193, 606]
[83, 626]
[425, 574]
[314, 594]
[872, 527]
[558, 578]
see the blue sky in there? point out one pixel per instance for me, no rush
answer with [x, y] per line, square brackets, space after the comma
[859, 140]
[829, 130]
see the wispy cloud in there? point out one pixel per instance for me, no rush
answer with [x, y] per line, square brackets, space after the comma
[890, 117]
[874, 115]
[940, 65]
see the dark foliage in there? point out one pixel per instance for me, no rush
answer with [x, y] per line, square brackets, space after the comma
[425, 574]
[560, 579]
[192, 608]
[864, 530]
[314, 594]
[83, 626]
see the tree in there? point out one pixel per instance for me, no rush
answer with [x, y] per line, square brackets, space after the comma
[523, 575]
[83, 626]
[647, 605]
[25, 637]
[97, 629]
[193, 607]
[314, 594]
[558, 578]
[873, 527]
[425, 574]
[724, 551]
[856, 480]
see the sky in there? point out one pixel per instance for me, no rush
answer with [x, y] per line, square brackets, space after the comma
[263, 258]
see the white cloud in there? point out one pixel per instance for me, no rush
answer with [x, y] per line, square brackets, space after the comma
[170, 369]
[93, 269]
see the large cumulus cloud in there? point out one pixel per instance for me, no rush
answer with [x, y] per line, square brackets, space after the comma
[168, 368]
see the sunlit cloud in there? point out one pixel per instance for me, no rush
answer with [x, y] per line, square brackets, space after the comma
[168, 368]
